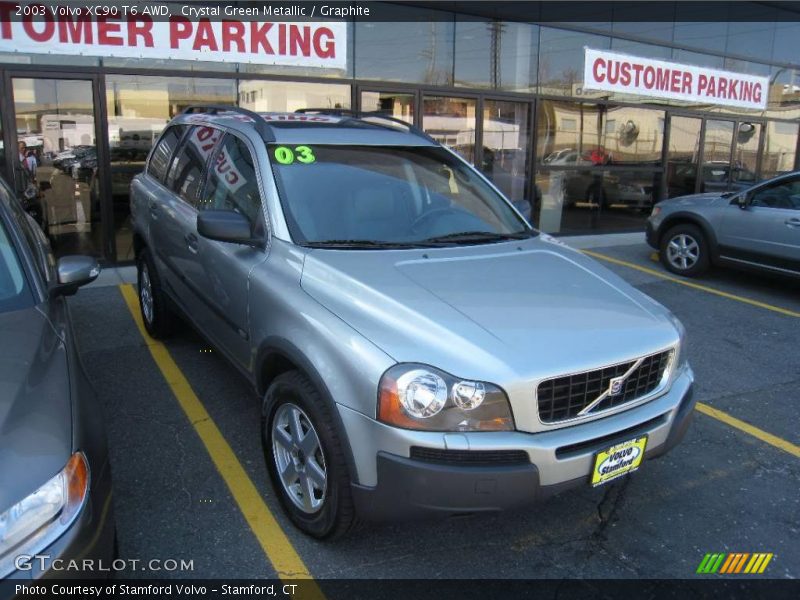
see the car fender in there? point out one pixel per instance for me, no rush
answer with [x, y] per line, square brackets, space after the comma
[275, 346]
[690, 217]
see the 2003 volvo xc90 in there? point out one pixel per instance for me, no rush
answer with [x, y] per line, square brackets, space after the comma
[419, 348]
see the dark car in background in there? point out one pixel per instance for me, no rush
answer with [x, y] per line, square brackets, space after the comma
[55, 477]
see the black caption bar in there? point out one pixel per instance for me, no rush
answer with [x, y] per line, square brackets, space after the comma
[351, 589]
[598, 11]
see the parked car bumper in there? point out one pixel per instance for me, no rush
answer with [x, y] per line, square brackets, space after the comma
[403, 487]
[650, 235]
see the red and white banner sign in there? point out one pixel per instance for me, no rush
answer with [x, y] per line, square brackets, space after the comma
[614, 72]
[48, 31]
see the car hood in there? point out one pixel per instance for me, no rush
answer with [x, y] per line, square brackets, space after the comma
[35, 408]
[497, 312]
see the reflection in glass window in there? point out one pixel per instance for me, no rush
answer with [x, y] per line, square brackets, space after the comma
[396, 105]
[574, 201]
[496, 54]
[745, 154]
[682, 155]
[185, 174]
[451, 121]
[286, 96]
[568, 132]
[633, 135]
[55, 161]
[416, 46]
[232, 183]
[787, 32]
[752, 39]
[779, 149]
[164, 151]
[139, 107]
[505, 149]
[561, 59]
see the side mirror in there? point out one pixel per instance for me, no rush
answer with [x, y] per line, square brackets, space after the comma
[225, 226]
[74, 272]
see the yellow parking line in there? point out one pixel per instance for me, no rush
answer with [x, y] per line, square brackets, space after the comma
[271, 537]
[691, 284]
[762, 435]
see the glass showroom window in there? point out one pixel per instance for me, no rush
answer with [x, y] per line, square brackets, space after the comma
[286, 96]
[398, 105]
[451, 121]
[568, 132]
[779, 149]
[682, 155]
[415, 47]
[139, 108]
[561, 59]
[505, 149]
[496, 54]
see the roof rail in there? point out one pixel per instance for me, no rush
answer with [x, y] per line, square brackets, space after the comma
[262, 127]
[372, 114]
[339, 112]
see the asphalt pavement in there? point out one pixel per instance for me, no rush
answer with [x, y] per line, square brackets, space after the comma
[721, 490]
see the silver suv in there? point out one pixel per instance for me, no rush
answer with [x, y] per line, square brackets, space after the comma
[419, 349]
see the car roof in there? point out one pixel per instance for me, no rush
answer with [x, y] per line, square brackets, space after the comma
[332, 127]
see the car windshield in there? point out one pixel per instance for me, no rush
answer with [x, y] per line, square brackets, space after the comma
[14, 291]
[387, 196]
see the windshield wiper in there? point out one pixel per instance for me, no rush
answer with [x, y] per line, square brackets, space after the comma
[479, 236]
[366, 244]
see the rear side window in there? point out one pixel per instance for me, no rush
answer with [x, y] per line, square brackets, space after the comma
[188, 169]
[162, 154]
[232, 183]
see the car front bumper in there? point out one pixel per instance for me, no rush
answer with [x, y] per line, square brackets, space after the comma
[394, 486]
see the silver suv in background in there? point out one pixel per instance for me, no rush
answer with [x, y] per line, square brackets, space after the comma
[758, 227]
[418, 348]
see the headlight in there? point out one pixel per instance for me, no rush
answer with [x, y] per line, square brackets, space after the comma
[421, 397]
[38, 520]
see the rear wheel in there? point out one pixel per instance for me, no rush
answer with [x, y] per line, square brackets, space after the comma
[156, 314]
[304, 457]
[684, 250]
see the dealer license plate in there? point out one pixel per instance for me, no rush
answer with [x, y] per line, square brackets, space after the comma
[618, 460]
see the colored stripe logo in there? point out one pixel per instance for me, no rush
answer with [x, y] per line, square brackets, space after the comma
[734, 563]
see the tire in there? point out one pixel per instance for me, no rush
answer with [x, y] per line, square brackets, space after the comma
[684, 250]
[316, 464]
[156, 314]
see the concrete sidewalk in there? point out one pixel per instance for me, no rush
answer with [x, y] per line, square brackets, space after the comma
[117, 275]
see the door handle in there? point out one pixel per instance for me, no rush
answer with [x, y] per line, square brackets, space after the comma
[191, 242]
[794, 222]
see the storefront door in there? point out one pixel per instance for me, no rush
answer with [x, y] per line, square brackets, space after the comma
[53, 160]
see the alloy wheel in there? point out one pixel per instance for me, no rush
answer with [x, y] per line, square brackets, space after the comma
[146, 293]
[298, 458]
[683, 251]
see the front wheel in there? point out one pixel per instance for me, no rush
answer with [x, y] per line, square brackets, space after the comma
[304, 457]
[684, 250]
[156, 314]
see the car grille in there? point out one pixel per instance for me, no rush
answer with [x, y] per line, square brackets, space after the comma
[563, 398]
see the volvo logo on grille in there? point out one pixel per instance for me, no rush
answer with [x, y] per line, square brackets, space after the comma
[615, 388]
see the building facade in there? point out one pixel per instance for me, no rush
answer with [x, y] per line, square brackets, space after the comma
[510, 96]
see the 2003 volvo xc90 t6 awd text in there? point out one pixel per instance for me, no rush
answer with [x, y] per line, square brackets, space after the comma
[419, 348]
